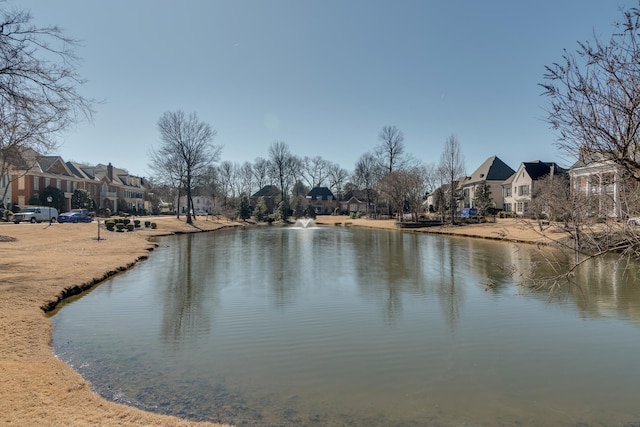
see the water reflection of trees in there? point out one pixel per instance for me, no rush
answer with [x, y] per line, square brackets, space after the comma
[601, 287]
[387, 267]
[184, 288]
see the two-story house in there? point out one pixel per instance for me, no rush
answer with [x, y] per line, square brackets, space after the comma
[600, 183]
[31, 173]
[519, 189]
[492, 173]
[112, 188]
[322, 200]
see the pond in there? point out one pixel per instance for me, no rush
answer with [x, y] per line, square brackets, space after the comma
[337, 326]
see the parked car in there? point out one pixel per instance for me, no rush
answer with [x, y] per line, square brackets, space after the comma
[35, 214]
[85, 211]
[634, 220]
[74, 216]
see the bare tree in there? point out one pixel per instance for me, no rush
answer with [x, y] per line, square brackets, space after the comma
[38, 88]
[366, 175]
[595, 97]
[405, 190]
[315, 171]
[451, 168]
[391, 148]
[167, 172]
[226, 177]
[284, 168]
[185, 141]
[247, 183]
[432, 179]
[261, 172]
[337, 179]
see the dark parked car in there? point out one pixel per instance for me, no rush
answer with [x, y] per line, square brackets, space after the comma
[74, 216]
[85, 211]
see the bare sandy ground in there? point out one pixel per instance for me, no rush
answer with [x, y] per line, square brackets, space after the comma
[514, 230]
[42, 263]
[38, 263]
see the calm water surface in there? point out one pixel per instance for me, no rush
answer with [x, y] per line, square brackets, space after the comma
[334, 326]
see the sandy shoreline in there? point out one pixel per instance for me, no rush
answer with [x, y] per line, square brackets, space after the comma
[41, 261]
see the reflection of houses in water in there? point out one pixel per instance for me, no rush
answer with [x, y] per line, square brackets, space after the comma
[601, 287]
[608, 287]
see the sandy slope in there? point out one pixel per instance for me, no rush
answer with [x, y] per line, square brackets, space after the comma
[42, 262]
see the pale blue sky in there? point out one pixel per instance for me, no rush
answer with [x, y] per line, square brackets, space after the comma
[324, 76]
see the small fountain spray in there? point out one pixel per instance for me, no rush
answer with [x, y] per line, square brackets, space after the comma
[305, 223]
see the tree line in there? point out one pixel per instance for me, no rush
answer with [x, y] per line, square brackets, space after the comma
[186, 162]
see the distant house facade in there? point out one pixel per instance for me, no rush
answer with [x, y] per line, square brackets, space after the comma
[110, 188]
[519, 189]
[322, 200]
[600, 182]
[356, 201]
[270, 194]
[200, 204]
[32, 173]
[492, 173]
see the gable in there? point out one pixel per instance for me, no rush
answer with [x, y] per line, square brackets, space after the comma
[493, 169]
[267, 191]
[320, 193]
[55, 166]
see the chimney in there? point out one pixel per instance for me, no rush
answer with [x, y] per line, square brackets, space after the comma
[110, 171]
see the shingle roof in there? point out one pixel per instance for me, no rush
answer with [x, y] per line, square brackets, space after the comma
[493, 169]
[538, 169]
[320, 193]
[267, 191]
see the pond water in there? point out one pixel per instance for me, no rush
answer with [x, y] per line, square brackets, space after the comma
[278, 326]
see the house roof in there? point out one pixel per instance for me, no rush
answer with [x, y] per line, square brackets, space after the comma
[360, 195]
[267, 191]
[493, 169]
[538, 169]
[510, 179]
[320, 193]
[82, 171]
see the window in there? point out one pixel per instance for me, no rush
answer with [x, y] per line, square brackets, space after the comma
[36, 183]
[507, 192]
[523, 190]
[47, 182]
[519, 207]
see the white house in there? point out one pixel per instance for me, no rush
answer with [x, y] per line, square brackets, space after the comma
[600, 182]
[519, 188]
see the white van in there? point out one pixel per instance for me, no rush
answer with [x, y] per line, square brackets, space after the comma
[36, 214]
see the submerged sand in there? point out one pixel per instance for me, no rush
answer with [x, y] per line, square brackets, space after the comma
[43, 263]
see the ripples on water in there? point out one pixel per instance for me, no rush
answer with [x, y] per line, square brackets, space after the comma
[275, 326]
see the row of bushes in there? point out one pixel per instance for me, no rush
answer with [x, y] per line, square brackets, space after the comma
[120, 224]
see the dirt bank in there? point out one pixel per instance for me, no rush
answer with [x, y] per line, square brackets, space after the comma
[41, 263]
[513, 230]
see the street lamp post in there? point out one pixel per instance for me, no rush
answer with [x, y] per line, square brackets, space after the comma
[49, 200]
